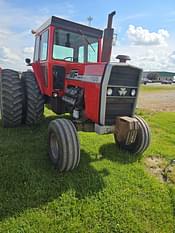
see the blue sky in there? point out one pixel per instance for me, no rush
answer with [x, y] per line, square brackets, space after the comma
[146, 29]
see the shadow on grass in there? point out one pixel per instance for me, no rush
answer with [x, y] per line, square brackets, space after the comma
[27, 177]
[112, 152]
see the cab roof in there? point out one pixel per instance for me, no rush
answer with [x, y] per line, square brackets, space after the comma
[70, 26]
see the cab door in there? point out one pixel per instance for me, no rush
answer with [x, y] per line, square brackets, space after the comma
[43, 56]
[40, 61]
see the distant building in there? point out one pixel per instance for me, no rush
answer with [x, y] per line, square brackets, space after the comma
[158, 76]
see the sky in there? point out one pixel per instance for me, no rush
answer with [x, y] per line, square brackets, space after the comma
[145, 29]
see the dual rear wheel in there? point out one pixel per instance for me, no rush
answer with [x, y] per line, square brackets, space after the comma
[33, 107]
[11, 98]
[20, 99]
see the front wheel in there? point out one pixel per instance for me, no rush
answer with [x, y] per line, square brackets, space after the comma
[142, 141]
[64, 148]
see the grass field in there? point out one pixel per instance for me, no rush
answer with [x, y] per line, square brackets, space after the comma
[111, 191]
[157, 88]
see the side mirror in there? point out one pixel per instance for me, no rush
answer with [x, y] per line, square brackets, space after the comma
[28, 61]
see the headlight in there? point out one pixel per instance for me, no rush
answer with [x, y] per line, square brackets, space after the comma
[133, 92]
[109, 91]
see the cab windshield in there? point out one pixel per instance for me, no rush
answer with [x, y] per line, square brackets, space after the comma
[74, 47]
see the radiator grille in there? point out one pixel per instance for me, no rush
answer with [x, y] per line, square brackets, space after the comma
[121, 77]
[124, 76]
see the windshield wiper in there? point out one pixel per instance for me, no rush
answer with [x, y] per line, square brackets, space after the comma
[87, 41]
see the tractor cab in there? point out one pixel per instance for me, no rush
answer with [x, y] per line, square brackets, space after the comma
[63, 40]
[60, 46]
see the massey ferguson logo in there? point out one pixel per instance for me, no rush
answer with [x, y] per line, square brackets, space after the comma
[122, 91]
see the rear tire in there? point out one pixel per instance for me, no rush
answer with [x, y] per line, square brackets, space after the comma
[34, 101]
[142, 141]
[11, 98]
[64, 148]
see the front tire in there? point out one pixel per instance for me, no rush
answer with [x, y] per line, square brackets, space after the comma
[64, 148]
[34, 100]
[11, 98]
[142, 141]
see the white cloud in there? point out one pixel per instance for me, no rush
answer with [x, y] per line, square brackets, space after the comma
[148, 50]
[172, 57]
[29, 50]
[9, 55]
[16, 40]
[141, 36]
[148, 57]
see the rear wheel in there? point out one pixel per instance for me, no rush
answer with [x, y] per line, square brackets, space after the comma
[64, 149]
[11, 98]
[34, 101]
[142, 139]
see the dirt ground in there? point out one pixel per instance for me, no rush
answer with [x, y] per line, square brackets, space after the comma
[161, 168]
[157, 101]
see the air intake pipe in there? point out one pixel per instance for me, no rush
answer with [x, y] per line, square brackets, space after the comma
[107, 39]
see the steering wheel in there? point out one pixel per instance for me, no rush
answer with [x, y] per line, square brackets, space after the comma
[65, 58]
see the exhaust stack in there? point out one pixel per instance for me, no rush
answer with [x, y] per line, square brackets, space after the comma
[107, 39]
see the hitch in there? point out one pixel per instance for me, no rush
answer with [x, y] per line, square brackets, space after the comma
[126, 129]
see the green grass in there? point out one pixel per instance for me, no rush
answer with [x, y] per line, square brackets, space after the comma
[111, 191]
[158, 88]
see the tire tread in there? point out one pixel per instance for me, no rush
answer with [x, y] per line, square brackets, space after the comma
[34, 104]
[68, 143]
[142, 140]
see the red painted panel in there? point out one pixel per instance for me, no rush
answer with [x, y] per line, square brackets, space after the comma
[39, 77]
[91, 90]
[94, 69]
[91, 96]
[92, 100]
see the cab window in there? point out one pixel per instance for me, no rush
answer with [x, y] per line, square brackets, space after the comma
[36, 53]
[62, 52]
[92, 52]
[74, 47]
[44, 46]
[81, 54]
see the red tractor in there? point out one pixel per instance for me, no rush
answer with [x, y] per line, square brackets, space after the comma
[72, 73]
